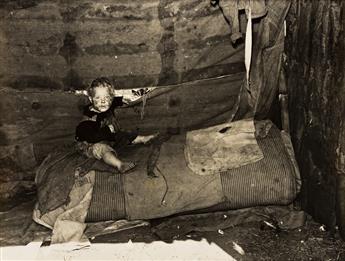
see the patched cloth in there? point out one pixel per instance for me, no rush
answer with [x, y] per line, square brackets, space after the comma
[58, 173]
[176, 189]
[222, 147]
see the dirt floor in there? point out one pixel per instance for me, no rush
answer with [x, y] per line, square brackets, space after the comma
[259, 240]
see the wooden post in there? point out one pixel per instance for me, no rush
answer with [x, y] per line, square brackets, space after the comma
[284, 102]
[340, 189]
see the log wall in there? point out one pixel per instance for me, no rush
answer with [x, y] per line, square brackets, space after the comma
[50, 48]
[315, 49]
[66, 44]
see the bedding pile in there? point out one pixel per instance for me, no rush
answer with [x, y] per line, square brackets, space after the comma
[90, 191]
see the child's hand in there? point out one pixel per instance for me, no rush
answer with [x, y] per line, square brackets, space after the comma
[126, 101]
[111, 127]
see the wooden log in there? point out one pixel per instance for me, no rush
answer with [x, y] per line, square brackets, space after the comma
[316, 102]
[64, 45]
[35, 118]
[38, 116]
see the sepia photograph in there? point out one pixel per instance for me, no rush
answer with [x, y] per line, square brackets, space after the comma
[172, 130]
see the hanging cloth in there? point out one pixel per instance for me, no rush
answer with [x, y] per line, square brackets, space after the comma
[248, 44]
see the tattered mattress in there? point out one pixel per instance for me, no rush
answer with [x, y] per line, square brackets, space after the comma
[98, 194]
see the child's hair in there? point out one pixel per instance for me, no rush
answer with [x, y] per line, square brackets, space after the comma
[100, 82]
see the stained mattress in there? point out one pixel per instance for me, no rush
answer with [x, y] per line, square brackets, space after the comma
[272, 180]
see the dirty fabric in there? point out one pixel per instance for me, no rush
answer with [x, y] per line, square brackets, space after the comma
[176, 189]
[275, 216]
[271, 180]
[222, 147]
[58, 172]
[111, 226]
[68, 221]
[291, 154]
[108, 200]
[258, 7]
[268, 47]
[68, 231]
[262, 128]
[55, 178]
[231, 10]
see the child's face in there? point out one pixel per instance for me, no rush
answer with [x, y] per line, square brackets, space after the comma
[101, 99]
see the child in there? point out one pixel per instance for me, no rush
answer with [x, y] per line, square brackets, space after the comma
[100, 128]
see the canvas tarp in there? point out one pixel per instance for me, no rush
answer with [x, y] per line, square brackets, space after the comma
[268, 47]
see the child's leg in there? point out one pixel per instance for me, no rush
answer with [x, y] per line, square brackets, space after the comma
[108, 155]
[110, 158]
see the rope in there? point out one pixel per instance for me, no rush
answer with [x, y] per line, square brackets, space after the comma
[163, 203]
[81, 92]
[142, 112]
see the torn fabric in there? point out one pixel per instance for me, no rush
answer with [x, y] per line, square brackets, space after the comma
[222, 147]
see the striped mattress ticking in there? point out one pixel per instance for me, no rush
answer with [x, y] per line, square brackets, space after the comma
[108, 198]
[270, 181]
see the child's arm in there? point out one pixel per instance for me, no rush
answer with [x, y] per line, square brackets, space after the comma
[122, 101]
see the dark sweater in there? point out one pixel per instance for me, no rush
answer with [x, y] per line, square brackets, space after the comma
[96, 131]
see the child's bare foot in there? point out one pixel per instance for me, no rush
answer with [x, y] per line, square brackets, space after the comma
[126, 167]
